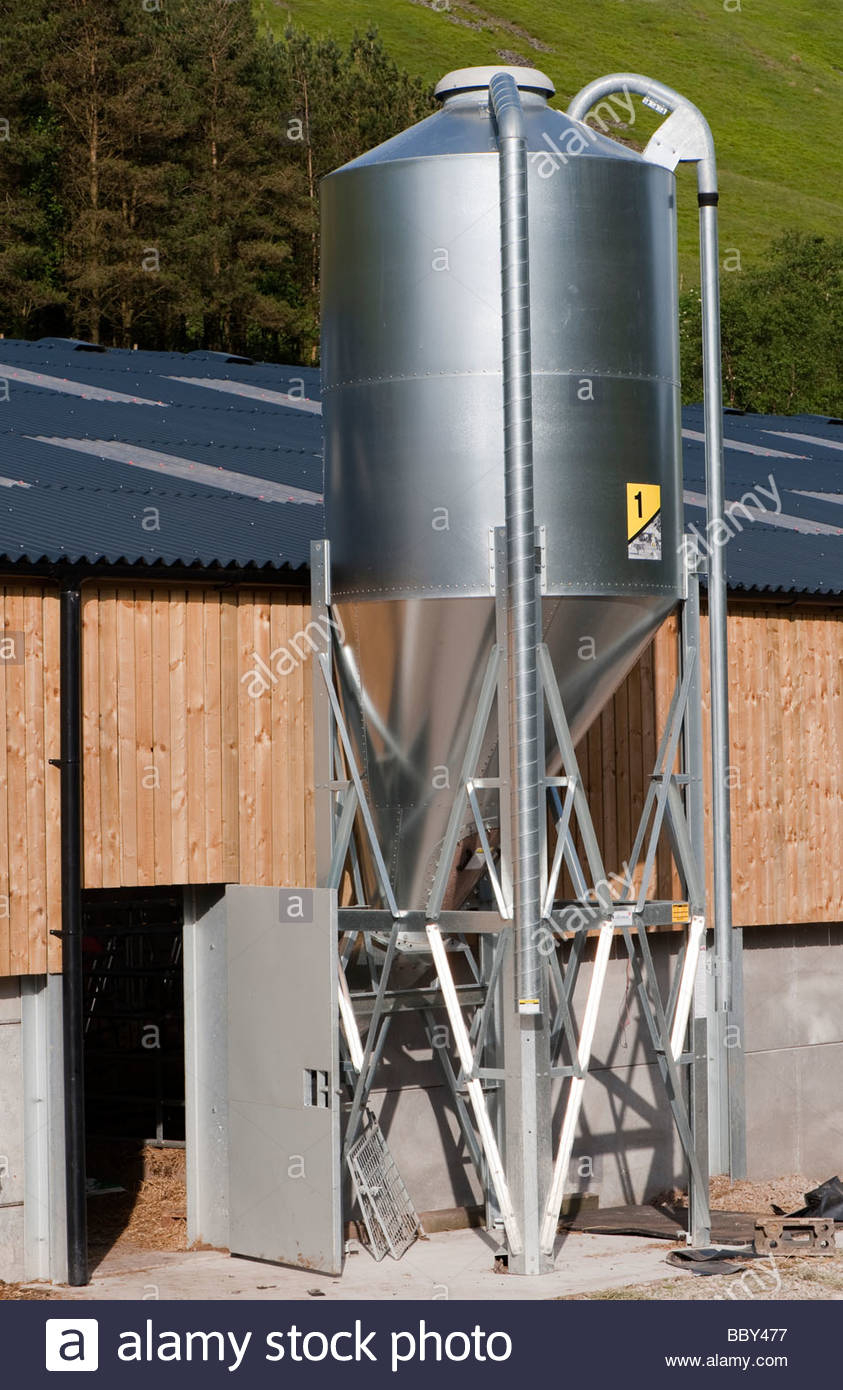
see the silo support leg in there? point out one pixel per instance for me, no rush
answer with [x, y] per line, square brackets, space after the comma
[652, 1009]
[474, 1087]
[575, 1094]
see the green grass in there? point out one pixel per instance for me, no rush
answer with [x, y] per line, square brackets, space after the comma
[764, 77]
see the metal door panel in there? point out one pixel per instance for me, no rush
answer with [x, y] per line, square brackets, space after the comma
[284, 1132]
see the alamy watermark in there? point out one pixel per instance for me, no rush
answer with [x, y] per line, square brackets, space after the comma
[578, 139]
[284, 660]
[697, 546]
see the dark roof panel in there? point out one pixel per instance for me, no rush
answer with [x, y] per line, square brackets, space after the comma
[179, 479]
[194, 475]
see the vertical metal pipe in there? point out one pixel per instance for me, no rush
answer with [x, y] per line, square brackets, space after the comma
[699, 1217]
[520, 535]
[727, 942]
[713, 394]
[527, 1063]
[71, 920]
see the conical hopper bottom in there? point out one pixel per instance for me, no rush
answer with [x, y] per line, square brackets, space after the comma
[411, 674]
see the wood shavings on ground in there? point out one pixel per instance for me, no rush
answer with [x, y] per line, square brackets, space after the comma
[151, 1214]
[787, 1193]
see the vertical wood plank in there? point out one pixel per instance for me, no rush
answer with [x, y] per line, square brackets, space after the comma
[178, 735]
[810, 693]
[649, 749]
[35, 811]
[162, 794]
[592, 770]
[5, 887]
[230, 686]
[127, 735]
[246, 732]
[52, 749]
[91, 789]
[766, 761]
[308, 769]
[280, 732]
[212, 738]
[791, 731]
[610, 793]
[16, 784]
[831, 806]
[262, 716]
[298, 615]
[622, 787]
[109, 739]
[146, 769]
[195, 656]
[745, 711]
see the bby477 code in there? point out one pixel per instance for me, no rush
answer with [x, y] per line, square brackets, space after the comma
[757, 1334]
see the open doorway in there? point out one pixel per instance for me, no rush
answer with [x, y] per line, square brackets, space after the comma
[134, 1068]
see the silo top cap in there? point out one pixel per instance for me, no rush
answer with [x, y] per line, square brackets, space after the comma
[476, 79]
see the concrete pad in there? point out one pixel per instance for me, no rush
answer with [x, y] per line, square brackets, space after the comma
[451, 1265]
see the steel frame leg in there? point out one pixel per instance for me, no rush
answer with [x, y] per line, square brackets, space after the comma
[475, 1090]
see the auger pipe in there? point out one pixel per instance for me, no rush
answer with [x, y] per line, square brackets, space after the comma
[695, 144]
[698, 147]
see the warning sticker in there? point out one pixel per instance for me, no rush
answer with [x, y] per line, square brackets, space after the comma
[680, 912]
[643, 521]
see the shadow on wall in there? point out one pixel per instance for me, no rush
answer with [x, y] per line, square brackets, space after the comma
[627, 1151]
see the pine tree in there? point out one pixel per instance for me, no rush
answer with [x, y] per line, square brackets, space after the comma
[230, 225]
[31, 293]
[107, 85]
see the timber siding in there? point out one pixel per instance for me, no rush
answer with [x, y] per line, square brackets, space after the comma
[30, 849]
[786, 760]
[189, 779]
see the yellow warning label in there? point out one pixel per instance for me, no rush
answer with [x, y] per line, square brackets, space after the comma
[680, 912]
[643, 502]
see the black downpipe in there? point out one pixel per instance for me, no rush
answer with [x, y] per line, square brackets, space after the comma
[71, 921]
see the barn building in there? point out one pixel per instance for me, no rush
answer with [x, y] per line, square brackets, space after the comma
[156, 515]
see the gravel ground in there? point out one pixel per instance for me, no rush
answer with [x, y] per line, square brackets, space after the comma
[11, 1291]
[799, 1278]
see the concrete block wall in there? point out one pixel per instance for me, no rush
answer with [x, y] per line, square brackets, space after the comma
[11, 1132]
[627, 1149]
[793, 983]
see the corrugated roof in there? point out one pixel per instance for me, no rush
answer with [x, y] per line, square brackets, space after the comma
[122, 457]
[125, 457]
[784, 500]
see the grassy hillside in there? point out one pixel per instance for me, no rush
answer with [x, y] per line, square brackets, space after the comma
[763, 74]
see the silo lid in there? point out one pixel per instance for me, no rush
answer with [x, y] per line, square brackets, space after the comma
[476, 79]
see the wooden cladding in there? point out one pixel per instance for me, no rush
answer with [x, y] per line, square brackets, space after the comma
[30, 849]
[198, 751]
[786, 762]
[618, 754]
[785, 765]
[197, 761]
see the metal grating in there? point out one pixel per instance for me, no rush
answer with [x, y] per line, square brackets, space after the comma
[389, 1215]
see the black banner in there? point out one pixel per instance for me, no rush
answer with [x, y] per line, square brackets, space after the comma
[411, 1343]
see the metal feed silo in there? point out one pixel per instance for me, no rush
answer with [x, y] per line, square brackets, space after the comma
[414, 439]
